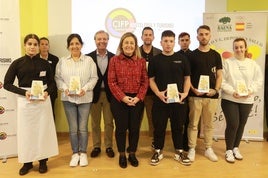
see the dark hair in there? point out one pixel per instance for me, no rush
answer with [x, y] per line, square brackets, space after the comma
[72, 36]
[29, 36]
[203, 27]
[245, 42]
[182, 34]
[168, 33]
[147, 28]
[44, 38]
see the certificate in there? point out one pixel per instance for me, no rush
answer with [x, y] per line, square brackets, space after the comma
[241, 88]
[74, 85]
[173, 93]
[203, 84]
[37, 90]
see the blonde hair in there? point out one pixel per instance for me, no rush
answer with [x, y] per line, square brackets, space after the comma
[119, 50]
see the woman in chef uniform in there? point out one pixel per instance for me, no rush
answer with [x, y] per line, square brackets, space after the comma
[36, 134]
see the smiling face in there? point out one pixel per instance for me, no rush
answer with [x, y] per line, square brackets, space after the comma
[240, 49]
[101, 41]
[147, 37]
[75, 47]
[128, 46]
[31, 47]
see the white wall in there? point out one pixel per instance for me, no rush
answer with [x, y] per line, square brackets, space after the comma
[216, 6]
[59, 25]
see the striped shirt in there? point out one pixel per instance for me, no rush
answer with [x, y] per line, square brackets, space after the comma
[85, 68]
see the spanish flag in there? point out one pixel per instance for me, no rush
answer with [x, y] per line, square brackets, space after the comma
[240, 26]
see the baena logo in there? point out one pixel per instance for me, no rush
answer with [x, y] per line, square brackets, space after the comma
[2, 110]
[225, 25]
[120, 21]
[3, 135]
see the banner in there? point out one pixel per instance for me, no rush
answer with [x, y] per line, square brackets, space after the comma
[225, 27]
[9, 51]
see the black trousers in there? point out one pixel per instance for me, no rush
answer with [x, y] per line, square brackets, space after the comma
[177, 115]
[236, 116]
[127, 118]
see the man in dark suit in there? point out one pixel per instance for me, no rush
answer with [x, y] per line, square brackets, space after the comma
[101, 97]
[52, 60]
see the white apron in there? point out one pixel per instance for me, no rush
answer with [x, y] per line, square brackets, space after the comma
[36, 131]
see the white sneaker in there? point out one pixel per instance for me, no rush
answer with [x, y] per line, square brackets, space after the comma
[229, 156]
[182, 158]
[83, 159]
[209, 153]
[75, 159]
[157, 157]
[191, 154]
[237, 154]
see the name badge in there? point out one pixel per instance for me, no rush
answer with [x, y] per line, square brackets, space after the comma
[42, 74]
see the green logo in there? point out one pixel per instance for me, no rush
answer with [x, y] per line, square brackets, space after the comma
[225, 20]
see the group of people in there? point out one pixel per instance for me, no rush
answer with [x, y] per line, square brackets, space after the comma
[117, 87]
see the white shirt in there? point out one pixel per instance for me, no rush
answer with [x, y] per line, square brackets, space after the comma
[85, 68]
[248, 71]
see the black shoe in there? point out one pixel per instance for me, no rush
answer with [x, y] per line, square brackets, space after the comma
[122, 161]
[43, 166]
[25, 168]
[95, 152]
[133, 160]
[110, 152]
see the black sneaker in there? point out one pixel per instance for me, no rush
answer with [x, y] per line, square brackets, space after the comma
[95, 152]
[182, 158]
[157, 156]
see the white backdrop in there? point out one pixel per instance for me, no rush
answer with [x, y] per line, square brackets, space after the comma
[9, 50]
[117, 17]
[225, 27]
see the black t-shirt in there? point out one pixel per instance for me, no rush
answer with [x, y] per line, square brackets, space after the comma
[148, 57]
[169, 69]
[204, 63]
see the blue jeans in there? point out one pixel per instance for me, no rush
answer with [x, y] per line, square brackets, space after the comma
[77, 116]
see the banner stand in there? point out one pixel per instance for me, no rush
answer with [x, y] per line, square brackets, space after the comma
[252, 26]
